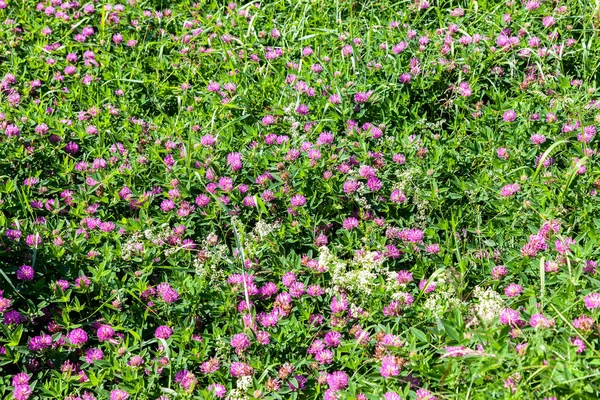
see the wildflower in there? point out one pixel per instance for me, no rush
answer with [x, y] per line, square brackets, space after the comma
[238, 369]
[391, 396]
[332, 338]
[302, 109]
[105, 332]
[12, 130]
[510, 317]
[465, 89]
[33, 240]
[234, 160]
[187, 380]
[213, 87]
[389, 367]
[263, 337]
[93, 354]
[338, 380]
[77, 337]
[584, 323]
[538, 139]
[509, 116]
[592, 301]
[433, 248]
[564, 246]
[167, 293]
[539, 320]
[424, 394]
[210, 366]
[335, 99]
[218, 390]
[510, 190]
[399, 48]
[298, 200]
[20, 379]
[240, 342]
[350, 223]
[513, 290]
[163, 332]
[498, 271]
[502, 153]
[22, 392]
[25, 273]
[579, 343]
[135, 361]
[324, 356]
[268, 120]
[548, 21]
[119, 394]
[397, 196]
[362, 97]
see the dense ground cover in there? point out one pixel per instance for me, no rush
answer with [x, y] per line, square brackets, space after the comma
[299, 200]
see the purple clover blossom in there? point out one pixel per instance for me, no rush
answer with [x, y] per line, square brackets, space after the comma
[298, 200]
[93, 354]
[119, 394]
[105, 332]
[337, 380]
[163, 332]
[592, 301]
[167, 293]
[510, 190]
[509, 116]
[240, 342]
[362, 97]
[25, 273]
[22, 392]
[187, 380]
[77, 337]
[389, 367]
[508, 316]
[350, 223]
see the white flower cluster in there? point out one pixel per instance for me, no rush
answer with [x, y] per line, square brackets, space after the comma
[444, 298]
[236, 394]
[404, 179]
[158, 235]
[289, 118]
[263, 229]
[490, 304]
[209, 268]
[358, 275]
[132, 247]
[243, 384]
[422, 214]
[391, 283]
[362, 201]
[169, 251]
[441, 301]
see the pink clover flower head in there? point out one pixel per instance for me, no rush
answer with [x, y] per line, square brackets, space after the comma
[105, 332]
[163, 332]
[362, 97]
[119, 394]
[337, 380]
[511, 317]
[510, 190]
[298, 200]
[25, 273]
[509, 116]
[592, 301]
[77, 337]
